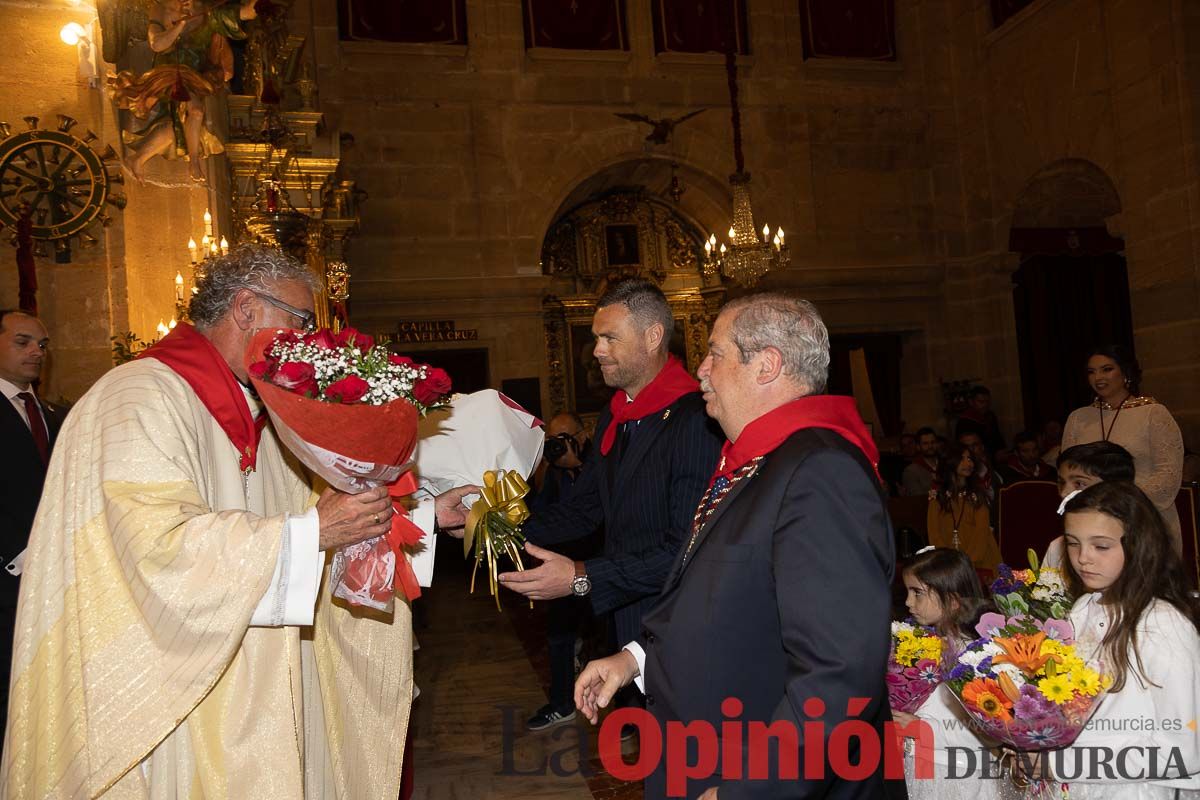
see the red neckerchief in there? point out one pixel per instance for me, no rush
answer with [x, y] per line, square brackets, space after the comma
[194, 359]
[831, 412]
[670, 384]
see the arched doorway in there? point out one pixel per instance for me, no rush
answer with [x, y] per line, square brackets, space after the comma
[641, 217]
[1071, 290]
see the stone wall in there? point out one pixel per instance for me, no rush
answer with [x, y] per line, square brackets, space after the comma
[1109, 81]
[468, 153]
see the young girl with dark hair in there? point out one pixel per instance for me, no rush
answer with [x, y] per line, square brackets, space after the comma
[1135, 619]
[944, 593]
[958, 516]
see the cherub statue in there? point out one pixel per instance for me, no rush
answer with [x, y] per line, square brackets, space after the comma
[192, 60]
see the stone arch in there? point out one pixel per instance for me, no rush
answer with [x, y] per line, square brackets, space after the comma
[1069, 193]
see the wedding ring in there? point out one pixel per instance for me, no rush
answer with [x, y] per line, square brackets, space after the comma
[376, 516]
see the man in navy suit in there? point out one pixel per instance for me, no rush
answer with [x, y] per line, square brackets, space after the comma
[656, 450]
[777, 611]
[28, 428]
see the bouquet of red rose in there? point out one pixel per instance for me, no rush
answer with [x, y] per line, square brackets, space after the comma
[348, 410]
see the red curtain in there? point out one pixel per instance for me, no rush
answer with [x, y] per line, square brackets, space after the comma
[413, 21]
[696, 26]
[575, 24]
[863, 29]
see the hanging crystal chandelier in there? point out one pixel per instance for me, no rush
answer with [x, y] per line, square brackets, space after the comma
[746, 258]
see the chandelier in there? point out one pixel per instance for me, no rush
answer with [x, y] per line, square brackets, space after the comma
[747, 257]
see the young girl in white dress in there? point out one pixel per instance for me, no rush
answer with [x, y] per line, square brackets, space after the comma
[1135, 618]
[944, 594]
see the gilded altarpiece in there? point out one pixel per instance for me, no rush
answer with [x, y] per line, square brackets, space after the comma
[623, 235]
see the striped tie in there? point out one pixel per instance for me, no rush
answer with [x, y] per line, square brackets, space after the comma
[713, 497]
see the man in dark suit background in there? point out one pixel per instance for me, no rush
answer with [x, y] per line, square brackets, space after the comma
[781, 595]
[655, 450]
[28, 428]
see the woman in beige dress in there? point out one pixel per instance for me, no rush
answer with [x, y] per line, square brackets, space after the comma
[1141, 425]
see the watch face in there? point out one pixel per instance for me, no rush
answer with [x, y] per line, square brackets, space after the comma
[581, 585]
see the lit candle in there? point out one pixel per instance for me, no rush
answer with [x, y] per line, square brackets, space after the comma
[178, 288]
[162, 329]
[192, 249]
[766, 232]
[732, 233]
[224, 247]
[707, 247]
[712, 239]
[779, 233]
[204, 242]
[171, 325]
[207, 223]
[722, 249]
[213, 248]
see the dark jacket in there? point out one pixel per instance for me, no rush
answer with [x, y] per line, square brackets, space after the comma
[786, 597]
[21, 476]
[645, 498]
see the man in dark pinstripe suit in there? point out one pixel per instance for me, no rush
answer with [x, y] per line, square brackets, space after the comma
[657, 450]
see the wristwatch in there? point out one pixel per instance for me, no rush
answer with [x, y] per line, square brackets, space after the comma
[582, 584]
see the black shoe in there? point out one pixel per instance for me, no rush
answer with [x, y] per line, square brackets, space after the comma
[548, 716]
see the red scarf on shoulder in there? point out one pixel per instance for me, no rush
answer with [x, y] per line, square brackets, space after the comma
[193, 357]
[831, 412]
[671, 383]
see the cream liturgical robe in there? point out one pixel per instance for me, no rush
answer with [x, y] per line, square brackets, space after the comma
[136, 673]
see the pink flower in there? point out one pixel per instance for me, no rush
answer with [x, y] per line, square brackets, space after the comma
[433, 388]
[293, 374]
[1060, 630]
[349, 389]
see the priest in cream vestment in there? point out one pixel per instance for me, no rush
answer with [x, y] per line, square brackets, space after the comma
[175, 639]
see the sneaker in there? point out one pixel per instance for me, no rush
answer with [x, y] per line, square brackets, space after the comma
[547, 717]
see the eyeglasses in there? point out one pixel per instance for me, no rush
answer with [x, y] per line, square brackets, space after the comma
[308, 320]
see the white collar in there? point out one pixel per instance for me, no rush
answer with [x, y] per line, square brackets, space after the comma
[11, 390]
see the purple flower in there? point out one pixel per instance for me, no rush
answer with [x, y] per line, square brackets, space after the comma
[961, 671]
[1044, 734]
[1032, 705]
[1005, 571]
[985, 666]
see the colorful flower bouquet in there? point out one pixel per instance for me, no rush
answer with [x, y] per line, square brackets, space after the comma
[1023, 686]
[914, 665]
[1039, 592]
[348, 410]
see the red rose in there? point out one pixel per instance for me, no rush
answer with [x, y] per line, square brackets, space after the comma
[259, 369]
[353, 336]
[401, 361]
[322, 339]
[433, 388]
[309, 388]
[293, 374]
[349, 389]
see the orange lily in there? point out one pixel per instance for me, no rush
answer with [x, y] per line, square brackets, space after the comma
[1024, 652]
[1008, 686]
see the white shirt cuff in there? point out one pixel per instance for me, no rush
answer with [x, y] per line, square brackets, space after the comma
[421, 555]
[291, 599]
[639, 655]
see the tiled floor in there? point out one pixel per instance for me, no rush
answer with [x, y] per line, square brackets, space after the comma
[481, 674]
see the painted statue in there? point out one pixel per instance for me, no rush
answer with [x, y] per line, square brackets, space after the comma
[192, 60]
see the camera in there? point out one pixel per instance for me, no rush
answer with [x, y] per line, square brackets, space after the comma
[557, 446]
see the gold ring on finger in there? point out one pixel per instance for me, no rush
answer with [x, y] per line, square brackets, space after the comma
[376, 516]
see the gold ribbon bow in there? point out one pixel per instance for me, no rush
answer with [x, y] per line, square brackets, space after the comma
[493, 524]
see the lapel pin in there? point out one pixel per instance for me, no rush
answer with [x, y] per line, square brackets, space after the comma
[666, 413]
